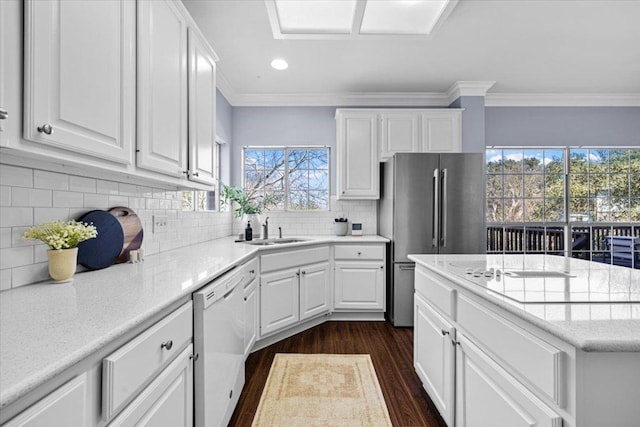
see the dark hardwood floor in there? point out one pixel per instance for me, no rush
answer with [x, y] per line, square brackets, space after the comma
[391, 351]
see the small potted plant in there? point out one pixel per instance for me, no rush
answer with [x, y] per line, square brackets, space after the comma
[63, 239]
[247, 207]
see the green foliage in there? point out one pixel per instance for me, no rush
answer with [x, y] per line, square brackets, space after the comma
[246, 205]
[61, 235]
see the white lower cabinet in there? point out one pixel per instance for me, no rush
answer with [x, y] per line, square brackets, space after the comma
[359, 285]
[480, 369]
[315, 290]
[167, 401]
[67, 406]
[294, 286]
[359, 279]
[292, 295]
[250, 316]
[434, 357]
[488, 396]
[279, 300]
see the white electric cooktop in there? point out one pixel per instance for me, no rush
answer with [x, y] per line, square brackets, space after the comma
[530, 279]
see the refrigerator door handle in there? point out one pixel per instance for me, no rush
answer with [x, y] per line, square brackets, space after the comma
[443, 219]
[407, 267]
[435, 224]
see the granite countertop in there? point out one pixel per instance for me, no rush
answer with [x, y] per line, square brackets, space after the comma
[47, 328]
[593, 306]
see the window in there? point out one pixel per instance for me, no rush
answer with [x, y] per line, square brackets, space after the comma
[293, 178]
[205, 200]
[585, 202]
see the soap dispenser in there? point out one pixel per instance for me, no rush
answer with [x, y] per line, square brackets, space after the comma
[248, 232]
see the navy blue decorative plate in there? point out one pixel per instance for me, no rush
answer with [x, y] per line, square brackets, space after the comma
[103, 250]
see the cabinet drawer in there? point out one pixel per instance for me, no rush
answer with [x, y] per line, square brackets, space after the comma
[250, 271]
[369, 252]
[127, 370]
[435, 291]
[535, 360]
[293, 258]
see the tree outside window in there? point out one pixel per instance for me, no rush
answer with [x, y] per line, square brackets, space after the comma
[294, 178]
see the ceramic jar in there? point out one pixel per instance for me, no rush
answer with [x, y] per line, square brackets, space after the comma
[62, 263]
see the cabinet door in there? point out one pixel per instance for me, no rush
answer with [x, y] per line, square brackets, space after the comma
[279, 300]
[315, 291]
[162, 87]
[486, 395]
[80, 77]
[67, 406]
[202, 110]
[442, 132]
[167, 401]
[434, 357]
[10, 71]
[358, 169]
[400, 133]
[251, 317]
[359, 285]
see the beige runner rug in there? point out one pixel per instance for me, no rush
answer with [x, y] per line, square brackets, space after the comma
[321, 390]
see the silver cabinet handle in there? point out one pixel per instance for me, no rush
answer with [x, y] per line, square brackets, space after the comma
[46, 129]
[167, 345]
[3, 113]
[194, 356]
[444, 332]
[304, 272]
[185, 172]
[435, 225]
[443, 220]
[195, 174]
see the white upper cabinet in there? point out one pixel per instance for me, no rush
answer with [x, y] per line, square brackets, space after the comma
[202, 110]
[441, 131]
[79, 85]
[400, 133]
[162, 87]
[357, 139]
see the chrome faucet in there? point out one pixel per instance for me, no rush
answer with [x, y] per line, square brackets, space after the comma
[265, 229]
[279, 232]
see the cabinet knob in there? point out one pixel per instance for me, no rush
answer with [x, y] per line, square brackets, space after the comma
[381, 267]
[167, 344]
[304, 272]
[195, 174]
[298, 273]
[245, 298]
[46, 129]
[444, 332]
[3, 113]
[252, 271]
[185, 172]
[194, 356]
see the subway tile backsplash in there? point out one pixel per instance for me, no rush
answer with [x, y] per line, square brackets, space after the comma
[31, 196]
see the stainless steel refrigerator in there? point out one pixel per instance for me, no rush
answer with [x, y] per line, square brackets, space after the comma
[430, 203]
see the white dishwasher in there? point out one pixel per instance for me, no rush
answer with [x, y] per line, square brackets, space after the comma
[219, 342]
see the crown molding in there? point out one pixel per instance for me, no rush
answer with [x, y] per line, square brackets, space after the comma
[468, 88]
[562, 100]
[381, 99]
[424, 99]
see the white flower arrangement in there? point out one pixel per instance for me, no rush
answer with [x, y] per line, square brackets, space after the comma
[61, 235]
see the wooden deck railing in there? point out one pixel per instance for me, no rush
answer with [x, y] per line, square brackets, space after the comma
[587, 241]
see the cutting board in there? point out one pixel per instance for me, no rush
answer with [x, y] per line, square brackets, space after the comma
[132, 229]
[103, 250]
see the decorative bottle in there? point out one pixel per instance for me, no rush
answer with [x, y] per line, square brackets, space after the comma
[248, 232]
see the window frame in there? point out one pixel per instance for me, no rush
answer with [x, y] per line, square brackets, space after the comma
[285, 149]
[569, 224]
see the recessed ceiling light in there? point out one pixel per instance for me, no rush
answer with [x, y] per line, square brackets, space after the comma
[279, 64]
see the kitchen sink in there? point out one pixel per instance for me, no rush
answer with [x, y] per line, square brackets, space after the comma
[268, 242]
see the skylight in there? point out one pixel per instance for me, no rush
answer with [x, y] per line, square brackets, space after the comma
[348, 19]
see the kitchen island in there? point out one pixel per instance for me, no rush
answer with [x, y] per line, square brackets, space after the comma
[536, 338]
